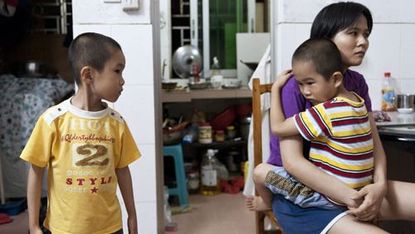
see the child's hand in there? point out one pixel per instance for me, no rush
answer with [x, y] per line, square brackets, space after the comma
[132, 225]
[35, 230]
[283, 78]
[372, 195]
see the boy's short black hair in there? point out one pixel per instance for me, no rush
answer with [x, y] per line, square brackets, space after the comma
[323, 53]
[90, 49]
[337, 17]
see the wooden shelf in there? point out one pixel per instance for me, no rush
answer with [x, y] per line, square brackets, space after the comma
[189, 95]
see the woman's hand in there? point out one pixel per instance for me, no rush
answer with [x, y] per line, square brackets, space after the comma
[372, 195]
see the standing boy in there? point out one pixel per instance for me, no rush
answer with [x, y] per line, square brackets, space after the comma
[337, 127]
[86, 147]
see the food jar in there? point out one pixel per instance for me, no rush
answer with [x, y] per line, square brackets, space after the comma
[219, 136]
[205, 133]
[193, 181]
[230, 132]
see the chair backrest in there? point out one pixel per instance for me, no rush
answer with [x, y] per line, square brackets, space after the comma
[257, 90]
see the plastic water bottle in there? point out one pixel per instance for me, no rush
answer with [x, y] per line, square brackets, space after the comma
[209, 174]
[388, 93]
[216, 78]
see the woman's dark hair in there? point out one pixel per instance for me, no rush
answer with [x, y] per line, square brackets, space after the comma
[322, 53]
[339, 16]
[90, 49]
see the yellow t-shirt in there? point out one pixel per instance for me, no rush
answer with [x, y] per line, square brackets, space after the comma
[81, 150]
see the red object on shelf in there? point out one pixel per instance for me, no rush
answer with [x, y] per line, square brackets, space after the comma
[224, 119]
[244, 110]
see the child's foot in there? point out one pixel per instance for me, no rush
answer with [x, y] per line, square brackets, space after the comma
[256, 203]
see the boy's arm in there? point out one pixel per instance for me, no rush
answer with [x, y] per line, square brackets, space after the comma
[34, 187]
[279, 125]
[307, 173]
[126, 188]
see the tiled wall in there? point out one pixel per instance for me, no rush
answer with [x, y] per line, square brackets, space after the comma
[133, 30]
[392, 46]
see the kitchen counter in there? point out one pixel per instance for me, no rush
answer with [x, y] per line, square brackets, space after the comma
[401, 126]
[398, 119]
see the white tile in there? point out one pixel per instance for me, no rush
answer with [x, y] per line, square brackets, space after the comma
[407, 86]
[289, 37]
[407, 51]
[81, 28]
[136, 105]
[137, 44]
[143, 173]
[146, 216]
[383, 53]
[375, 87]
[96, 11]
[382, 10]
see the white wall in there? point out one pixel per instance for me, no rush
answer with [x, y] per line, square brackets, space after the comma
[392, 46]
[133, 30]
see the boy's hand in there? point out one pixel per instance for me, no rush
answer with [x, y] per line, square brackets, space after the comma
[132, 225]
[282, 78]
[35, 230]
[372, 195]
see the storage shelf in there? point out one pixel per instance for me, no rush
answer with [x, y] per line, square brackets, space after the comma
[189, 95]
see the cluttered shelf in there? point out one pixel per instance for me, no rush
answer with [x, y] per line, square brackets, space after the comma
[237, 142]
[189, 95]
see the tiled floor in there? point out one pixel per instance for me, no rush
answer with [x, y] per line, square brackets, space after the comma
[219, 214]
[19, 225]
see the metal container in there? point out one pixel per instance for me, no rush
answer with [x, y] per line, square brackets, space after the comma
[405, 102]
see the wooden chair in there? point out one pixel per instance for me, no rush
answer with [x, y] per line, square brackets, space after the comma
[257, 90]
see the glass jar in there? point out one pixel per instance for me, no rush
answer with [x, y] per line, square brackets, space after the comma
[230, 132]
[220, 136]
[205, 133]
[193, 181]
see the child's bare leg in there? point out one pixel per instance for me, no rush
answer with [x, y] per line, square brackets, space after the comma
[263, 201]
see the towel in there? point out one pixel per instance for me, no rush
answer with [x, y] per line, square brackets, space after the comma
[263, 72]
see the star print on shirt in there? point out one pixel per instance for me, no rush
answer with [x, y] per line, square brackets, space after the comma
[94, 190]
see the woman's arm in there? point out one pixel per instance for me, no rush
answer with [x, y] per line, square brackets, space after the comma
[126, 188]
[34, 187]
[307, 173]
[280, 126]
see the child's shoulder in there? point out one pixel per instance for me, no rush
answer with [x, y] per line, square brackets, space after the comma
[55, 111]
[116, 115]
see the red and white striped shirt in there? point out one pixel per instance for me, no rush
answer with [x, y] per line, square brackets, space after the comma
[341, 139]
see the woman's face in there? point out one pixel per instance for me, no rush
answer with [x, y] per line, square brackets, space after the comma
[353, 42]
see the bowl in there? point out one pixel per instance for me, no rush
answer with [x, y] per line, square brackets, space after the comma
[231, 84]
[199, 85]
[405, 110]
[168, 85]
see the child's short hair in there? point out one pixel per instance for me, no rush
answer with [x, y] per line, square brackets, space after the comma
[90, 49]
[323, 53]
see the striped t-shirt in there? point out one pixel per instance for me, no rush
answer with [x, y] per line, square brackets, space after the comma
[341, 139]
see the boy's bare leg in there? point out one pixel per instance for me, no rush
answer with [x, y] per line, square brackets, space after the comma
[263, 201]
